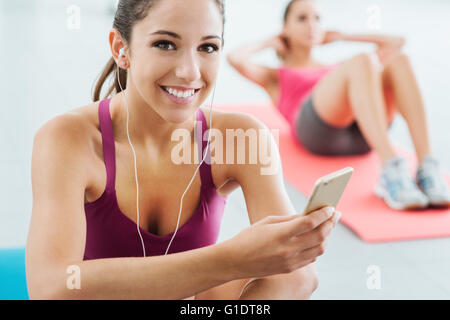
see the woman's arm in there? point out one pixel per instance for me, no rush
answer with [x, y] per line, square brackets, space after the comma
[240, 59]
[387, 45]
[57, 234]
[265, 194]
[381, 41]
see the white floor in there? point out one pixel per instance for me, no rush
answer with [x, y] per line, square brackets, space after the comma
[49, 69]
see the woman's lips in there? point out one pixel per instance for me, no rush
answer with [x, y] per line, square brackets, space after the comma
[181, 100]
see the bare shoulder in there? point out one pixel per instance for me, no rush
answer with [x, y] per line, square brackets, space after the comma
[71, 134]
[240, 124]
[250, 134]
[223, 120]
[74, 125]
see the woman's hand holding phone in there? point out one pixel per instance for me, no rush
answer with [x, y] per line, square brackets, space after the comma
[280, 244]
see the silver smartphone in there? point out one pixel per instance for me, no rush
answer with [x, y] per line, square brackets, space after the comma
[328, 190]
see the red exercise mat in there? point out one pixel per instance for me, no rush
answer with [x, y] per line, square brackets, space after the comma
[362, 211]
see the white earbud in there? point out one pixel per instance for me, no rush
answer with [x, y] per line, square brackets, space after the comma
[121, 53]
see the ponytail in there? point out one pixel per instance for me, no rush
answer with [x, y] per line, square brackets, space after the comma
[110, 68]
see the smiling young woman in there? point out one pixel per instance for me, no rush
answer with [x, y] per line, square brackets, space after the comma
[170, 64]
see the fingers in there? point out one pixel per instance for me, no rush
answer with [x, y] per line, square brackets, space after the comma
[317, 236]
[315, 251]
[337, 217]
[307, 223]
[316, 226]
[309, 255]
[308, 235]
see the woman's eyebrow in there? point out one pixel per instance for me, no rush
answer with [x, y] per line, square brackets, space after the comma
[174, 35]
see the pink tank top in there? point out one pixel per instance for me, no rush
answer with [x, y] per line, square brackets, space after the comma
[110, 233]
[296, 85]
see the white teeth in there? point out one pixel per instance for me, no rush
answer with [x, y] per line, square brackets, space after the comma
[180, 94]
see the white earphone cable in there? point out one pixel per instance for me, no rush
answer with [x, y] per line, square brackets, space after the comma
[135, 168]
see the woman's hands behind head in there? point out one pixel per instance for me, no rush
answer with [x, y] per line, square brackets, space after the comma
[280, 43]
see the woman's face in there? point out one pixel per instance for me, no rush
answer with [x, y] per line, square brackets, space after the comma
[302, 27]
[176, 47]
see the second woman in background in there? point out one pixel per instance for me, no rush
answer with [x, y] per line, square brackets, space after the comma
[347, 108]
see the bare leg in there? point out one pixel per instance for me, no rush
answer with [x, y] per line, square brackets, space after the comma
[370, 103]
[247, 289]
[398, 75]
[354, 92]
[227, 291]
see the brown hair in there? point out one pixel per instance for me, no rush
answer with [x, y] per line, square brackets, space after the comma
[285, 17]
[129, 12]
[288, 9]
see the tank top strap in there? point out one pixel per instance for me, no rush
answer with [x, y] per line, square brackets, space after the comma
[202, 142]
[109, 153]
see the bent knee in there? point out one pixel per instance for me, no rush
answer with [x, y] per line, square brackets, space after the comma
[396, 58]
[228, 291]
[365, 62]
[307, 283]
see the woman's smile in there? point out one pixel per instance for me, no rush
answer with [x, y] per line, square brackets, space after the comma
[180, 95]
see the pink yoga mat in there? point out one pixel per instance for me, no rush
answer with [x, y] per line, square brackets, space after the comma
[362, 211]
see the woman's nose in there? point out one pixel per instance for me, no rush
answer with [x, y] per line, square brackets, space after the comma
[314, 24]
[188, 68]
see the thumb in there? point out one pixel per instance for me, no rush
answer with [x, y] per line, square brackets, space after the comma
[307, 223]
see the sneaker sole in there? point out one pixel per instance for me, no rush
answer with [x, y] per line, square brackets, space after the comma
[380, 192]
[436, 204]
[440, 204]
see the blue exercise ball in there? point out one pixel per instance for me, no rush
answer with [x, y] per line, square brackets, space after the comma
[13, 283]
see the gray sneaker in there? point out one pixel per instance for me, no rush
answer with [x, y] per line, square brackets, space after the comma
[398, 189]
[430, 180]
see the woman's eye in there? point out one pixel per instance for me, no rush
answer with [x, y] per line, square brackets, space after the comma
[211, 48]
[302, 18]
[163, 45]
